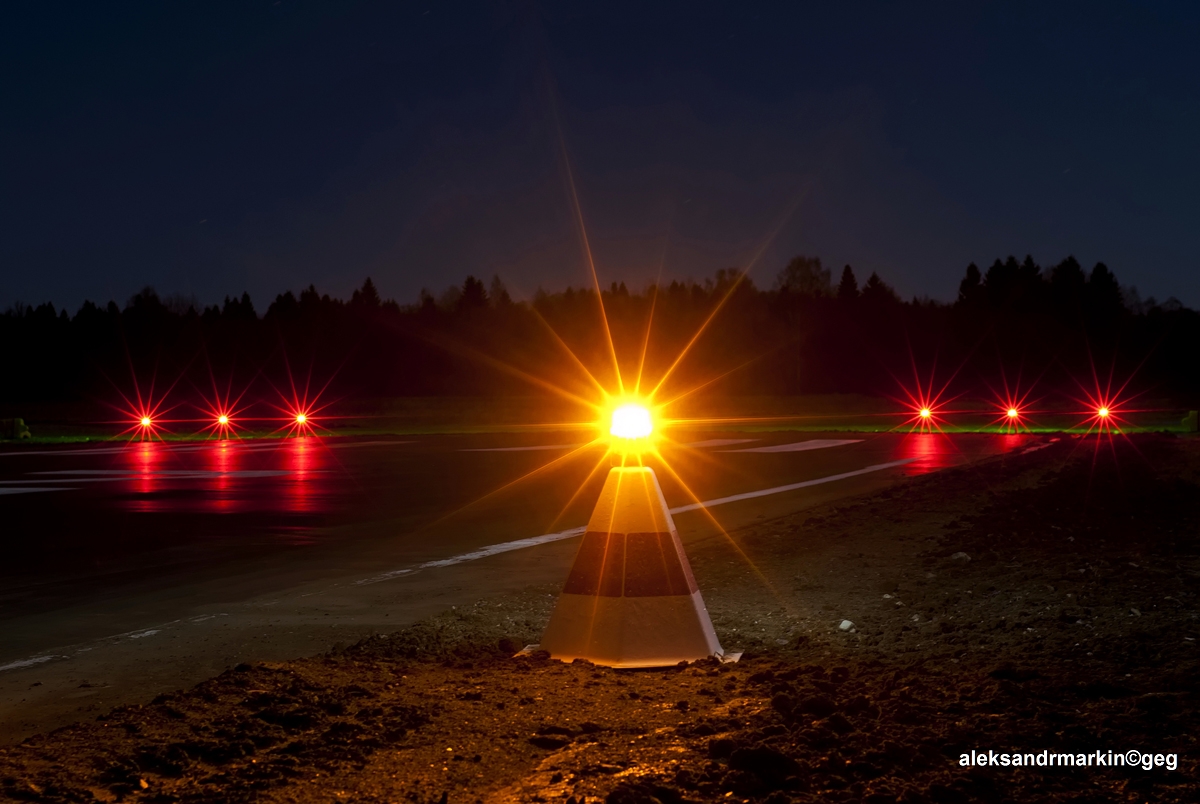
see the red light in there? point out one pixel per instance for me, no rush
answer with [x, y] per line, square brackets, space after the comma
[222, 419]
[1013, 413]
[146, 421]
[301, 412]
[927, 410]
[1105, 414]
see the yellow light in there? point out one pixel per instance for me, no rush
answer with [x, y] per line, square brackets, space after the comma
[1012, 413]
[631, 421]
[222, 419]
[301, 418]
[926, 413]
[146, 421]
[1102, 413]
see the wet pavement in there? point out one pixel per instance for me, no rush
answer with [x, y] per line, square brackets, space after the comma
[92, 514]
[95, 511]
[132, 569]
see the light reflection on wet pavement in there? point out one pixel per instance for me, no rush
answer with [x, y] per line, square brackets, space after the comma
[91, 508]
[221, 477]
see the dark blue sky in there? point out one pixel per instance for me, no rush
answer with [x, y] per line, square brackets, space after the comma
[211, 148]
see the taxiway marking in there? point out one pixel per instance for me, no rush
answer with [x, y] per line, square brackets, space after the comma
[524, 449]
[483, 552]
[547, 538]
[718, 442]
[31, 490]
[802, 446]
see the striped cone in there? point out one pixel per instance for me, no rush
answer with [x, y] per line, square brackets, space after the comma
[630, 599]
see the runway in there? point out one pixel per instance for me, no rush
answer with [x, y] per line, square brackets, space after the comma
[135, 568]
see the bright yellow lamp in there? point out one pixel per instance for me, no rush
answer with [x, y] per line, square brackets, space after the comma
[631, 421]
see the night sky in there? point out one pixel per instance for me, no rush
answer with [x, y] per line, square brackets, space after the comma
[207, 149]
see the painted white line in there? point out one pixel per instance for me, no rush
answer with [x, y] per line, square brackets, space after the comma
[533, 541]
[84, 647]
[144, 632]
[718, 442]
[129, 447]
[282, 443]
[31, 489]
[96, 451]
[524, 449]
[106, 479]
[129, 476]
[275, 443]
[134, 474]
[240, 446]
[28, 662]
[147, 633]
[483, 552]
[354, 444]
[802, 446]
[44, 480]
[750, 495]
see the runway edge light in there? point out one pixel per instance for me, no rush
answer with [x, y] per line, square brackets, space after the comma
[630, 599]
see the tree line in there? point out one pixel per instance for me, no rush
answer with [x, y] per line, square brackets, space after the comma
[1052, 330]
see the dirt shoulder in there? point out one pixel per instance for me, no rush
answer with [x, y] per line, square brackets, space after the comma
[1043, 601]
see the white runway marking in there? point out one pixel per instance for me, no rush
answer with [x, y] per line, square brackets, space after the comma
[95, 451]
[483, 552]
[101, 642]
[72, 479]
[127, 447]
[533, 541]
[275, 443]
[353, 444]
[718, 442]
[243, 446]
[524, 449]
[111, 476]
[28, 662]
[144, 632]
[750, 495]
[31, 490]
[134, 474]
[802, 446]
[45, 480]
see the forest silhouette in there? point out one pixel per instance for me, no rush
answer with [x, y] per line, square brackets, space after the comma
[1057, 330]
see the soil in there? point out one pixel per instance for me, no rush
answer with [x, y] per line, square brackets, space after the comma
[1044, 601]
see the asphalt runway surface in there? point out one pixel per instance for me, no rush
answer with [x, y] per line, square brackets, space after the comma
[131, 569]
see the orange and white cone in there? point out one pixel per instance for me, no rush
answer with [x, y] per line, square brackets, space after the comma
[630, 599]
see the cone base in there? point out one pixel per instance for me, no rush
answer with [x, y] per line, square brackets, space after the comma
[659, 631]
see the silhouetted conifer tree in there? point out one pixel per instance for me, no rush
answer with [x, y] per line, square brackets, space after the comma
[1055, 324]
[1067, 283]
[368, 296]
[877, 291]
[498, 293]
[969, 287]
[848, 287]
[473, 297]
